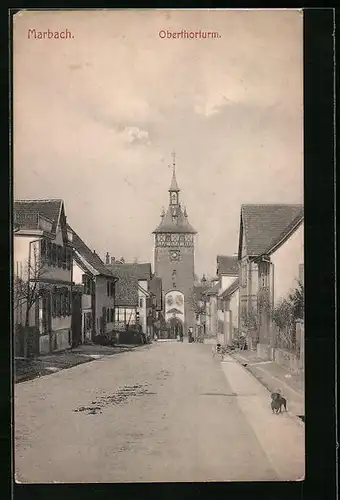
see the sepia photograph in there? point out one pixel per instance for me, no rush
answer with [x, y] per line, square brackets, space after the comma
[158, 246]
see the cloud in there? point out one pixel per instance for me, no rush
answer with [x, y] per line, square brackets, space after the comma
[136, 136]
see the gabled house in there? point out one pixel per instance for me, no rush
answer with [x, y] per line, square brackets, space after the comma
[211, 308]
[96, 284]
[271, 256]
[127, 298]
[139, 275]
[227, 271]
[230, 300]
[42, 268]
[156, 318]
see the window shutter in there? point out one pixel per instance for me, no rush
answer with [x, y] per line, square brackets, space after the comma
[48, 251]
[43, 250]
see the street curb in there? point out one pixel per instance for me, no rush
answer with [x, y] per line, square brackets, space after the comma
[291, 415]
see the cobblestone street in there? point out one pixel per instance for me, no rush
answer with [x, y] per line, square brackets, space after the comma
[164, 412]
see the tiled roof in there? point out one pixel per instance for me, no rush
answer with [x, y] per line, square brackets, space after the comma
[227, 265]
[92, 258]
[167, 224]
[231, 288]
[200, 289]
[155, 286]
[264, 225]
[140, 271]
[126, 287]
[213, 290]
[26, 212]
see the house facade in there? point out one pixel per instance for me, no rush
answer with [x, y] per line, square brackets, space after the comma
[231, 300]
[42, 269]
[271, 259]
[227, 271]
[96, 284]
[135, 302]
[211, 309]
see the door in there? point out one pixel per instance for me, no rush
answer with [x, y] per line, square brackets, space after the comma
[76, 318]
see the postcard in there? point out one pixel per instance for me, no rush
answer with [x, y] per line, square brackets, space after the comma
[158, 258]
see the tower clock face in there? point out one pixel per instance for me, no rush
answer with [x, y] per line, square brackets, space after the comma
[174, 255]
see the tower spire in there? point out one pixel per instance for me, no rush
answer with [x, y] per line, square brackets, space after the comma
[174, 186]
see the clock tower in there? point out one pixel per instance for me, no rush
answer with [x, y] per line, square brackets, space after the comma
[174, 262]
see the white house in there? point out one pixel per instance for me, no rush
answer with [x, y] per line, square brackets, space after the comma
[227, 271]
[43, 260]
[97, 312]
[271, 257]
[231, 299]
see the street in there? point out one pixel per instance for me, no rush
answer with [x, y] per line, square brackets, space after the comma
[164, 412]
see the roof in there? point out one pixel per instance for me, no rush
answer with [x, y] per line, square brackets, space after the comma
[231, 288]
[27, 212]
[155, 286]
[266, 225]
[174, 185]
[213, 290]
[227, 265]
[126, 287]
[167, 224]
[140, 271]
[200, 289]
[90, 257]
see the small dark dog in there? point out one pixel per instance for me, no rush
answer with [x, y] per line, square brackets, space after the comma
[278, 402]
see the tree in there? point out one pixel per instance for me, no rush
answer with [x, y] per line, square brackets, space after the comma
[286, 313]
[27, 287]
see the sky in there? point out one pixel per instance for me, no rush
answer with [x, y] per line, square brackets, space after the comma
[97, 116]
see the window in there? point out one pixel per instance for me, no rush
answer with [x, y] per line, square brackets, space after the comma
[108, 315]
[69, 257]
[58, 304]
[108, 288]
[244, 274]
[54, 254]
[43, 250]
[141, 302]
[54, 304]
[112, 289]
[112, 315]
[264, 275]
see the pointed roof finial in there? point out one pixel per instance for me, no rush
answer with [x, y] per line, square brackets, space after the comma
[163, 213]
[185, 213]
[174, 185]
[174, 159]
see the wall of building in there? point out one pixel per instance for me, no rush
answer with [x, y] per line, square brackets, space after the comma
[286, 261]
[226, 281]
[185, 271]
[77, 274]
[142, 310]
[103, 300]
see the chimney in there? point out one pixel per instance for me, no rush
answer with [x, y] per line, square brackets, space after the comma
[113, 259]
[107, 258]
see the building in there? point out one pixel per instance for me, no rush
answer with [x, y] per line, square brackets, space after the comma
[155, 287]
[174, 249]
[96, 287]
[42, 268]
[271, 257]
[230, 307]
[134, 298]
[211, 309]
[227, 271]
